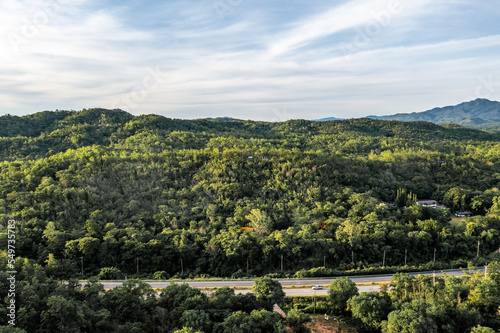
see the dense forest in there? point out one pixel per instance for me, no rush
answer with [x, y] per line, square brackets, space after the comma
[104, 193]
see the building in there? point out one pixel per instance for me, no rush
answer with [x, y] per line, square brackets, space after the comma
[463, 214]
[430, 203]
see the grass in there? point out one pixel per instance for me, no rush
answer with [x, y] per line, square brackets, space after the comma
[456, 221]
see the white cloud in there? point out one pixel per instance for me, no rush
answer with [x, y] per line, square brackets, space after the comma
[88, 56]
[370, 14]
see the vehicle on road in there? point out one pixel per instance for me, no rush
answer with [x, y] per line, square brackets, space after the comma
[316, 287]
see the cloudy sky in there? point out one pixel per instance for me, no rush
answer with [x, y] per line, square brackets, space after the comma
[264, 60]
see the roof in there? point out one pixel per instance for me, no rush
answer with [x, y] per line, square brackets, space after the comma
[427, 201]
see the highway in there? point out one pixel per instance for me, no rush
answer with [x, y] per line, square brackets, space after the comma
[309, 291]
[284, 282]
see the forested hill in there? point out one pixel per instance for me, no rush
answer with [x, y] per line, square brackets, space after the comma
[46, 133]
[230, 198]
[480, 113]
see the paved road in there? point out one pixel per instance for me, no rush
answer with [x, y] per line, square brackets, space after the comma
[284, 282]
[309, 291]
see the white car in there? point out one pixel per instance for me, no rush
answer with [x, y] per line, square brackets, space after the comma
[316, 287]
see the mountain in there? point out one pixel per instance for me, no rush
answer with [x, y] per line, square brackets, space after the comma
[51, 132]
[480, 114]
[328, 119]
[221, 119]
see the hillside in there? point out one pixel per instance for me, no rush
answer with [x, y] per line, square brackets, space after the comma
[480, 113]
[46, 133]
[188, 198]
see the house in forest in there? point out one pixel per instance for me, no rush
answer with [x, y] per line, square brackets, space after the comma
[430, 203]
[463, 214]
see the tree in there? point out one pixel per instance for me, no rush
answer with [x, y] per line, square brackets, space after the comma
[11, 329]
[495, 208]
[340, 290]
[296, 320]
[110, 273]
[269, 292]
[370, 308]
[404, 199]
[260, 222]
[482, 329]
[256, 322]
[197, 319]
[62, 315]
[175, 299]
[131, 303]
[130, 328]
[187, 330]
[408, 321]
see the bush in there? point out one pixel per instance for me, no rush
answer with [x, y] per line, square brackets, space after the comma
[324, 272]
[160, 275]
[306, 303]
[110, 273]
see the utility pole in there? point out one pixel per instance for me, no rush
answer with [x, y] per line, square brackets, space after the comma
[82, 264]
[485, 270]
[182, 267]
[478, 243]
[434, 278]
[137, 265]
[352, 255]
[383, 261]
[406, 252]
[434, 254]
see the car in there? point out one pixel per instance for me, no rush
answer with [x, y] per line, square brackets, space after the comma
[316, 287]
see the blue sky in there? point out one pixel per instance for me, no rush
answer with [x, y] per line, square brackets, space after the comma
[263, 60]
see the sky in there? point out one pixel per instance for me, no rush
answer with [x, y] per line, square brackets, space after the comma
[270, 60]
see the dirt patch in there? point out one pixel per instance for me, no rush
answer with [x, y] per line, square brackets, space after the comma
[320, 325]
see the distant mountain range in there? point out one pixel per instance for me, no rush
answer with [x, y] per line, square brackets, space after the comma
[329, 118]
[480, 114]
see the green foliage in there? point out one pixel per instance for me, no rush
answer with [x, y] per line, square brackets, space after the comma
[308, 304]
[370, 308]
[197, 319]
[62, 315]
[102, 188]
[409, 321]
[11, 329]
[160, 275]
[340, 291]
[46, 305]
[481, 329]
[404, 199]
[113, 195]
[296, 320]
[187, 330]
[268, 291]
[256, 322]
[110, 273]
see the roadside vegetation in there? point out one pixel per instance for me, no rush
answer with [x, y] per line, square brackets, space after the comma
[423, 304]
